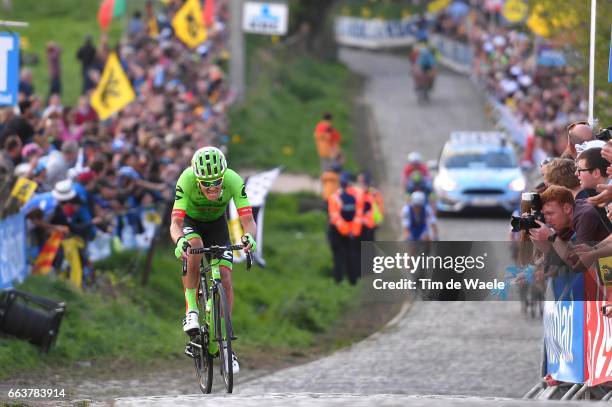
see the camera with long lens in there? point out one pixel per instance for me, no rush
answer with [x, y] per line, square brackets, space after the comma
[531, 204]
[604, 134]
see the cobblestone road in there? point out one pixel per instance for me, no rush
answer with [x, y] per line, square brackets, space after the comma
[475, 349]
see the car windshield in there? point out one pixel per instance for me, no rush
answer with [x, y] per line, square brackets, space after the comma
[490, 159]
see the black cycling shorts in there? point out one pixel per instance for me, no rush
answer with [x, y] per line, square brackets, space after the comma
[213, 233]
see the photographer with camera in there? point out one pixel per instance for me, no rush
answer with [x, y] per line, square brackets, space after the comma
[565, 222]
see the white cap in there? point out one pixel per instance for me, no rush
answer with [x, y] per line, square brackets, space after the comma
[588, 145]
[418, 198]
[525, 80]
[414, 157]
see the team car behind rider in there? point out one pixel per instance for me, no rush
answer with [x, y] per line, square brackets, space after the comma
[203, 192]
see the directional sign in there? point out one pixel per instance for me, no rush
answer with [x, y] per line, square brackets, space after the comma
[265, 18]
[9, 68]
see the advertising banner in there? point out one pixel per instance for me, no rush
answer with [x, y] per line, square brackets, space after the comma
[12, 250]
[564, 340]
[598, 328]
[599, 344]
[359, 32]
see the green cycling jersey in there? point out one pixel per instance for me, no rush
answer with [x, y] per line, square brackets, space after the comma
[189, 199]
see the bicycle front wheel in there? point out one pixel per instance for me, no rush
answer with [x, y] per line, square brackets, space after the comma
[201, 356]
[223, 334]
[203, 364]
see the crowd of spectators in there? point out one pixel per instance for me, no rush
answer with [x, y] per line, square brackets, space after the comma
[531, 77]
[88, 171]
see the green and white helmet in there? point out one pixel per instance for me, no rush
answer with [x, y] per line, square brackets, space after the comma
[208, 164]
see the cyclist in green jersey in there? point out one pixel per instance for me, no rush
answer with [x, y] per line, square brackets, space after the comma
[203, 192]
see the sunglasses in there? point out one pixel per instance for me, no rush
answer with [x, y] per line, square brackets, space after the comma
[546, 161]
[211, 184]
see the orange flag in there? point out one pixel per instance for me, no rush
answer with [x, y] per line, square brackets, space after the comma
[44, 261]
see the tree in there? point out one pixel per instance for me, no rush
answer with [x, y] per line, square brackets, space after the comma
[569, 22]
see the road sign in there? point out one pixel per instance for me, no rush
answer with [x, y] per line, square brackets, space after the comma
[265, 18]
[9, 68]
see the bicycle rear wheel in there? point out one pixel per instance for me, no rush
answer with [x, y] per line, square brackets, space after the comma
[203, 363]
[223, 335]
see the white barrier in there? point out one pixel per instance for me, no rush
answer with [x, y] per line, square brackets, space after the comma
[364, 33]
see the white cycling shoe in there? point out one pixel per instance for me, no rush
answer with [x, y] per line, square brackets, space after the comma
[191, 323]
[235, 364]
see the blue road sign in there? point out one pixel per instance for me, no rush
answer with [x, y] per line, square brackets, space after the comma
[9, 68]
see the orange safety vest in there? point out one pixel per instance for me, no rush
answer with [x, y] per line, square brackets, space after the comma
[368, 214]
[372, 197]
[336, 204]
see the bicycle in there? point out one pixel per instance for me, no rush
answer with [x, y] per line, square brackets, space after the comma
[218, 325]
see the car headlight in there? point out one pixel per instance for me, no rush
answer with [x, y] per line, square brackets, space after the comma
[518, 184]
[446, 183]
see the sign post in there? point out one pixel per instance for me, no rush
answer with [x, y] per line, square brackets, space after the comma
[592, 63]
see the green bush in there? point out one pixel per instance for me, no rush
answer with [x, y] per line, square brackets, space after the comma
[286, 98]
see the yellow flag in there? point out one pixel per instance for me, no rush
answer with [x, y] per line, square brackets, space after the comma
[23, 189]
[437, 5]
[188, 25]
[114, 90]
[515, 11]
[71, 247]
[152, 26]
[537, 23]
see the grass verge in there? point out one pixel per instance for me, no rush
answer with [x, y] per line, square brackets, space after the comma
[282, 306]
[65, 22]
[288, 92]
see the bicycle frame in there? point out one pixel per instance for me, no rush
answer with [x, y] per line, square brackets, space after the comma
[210, 277]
